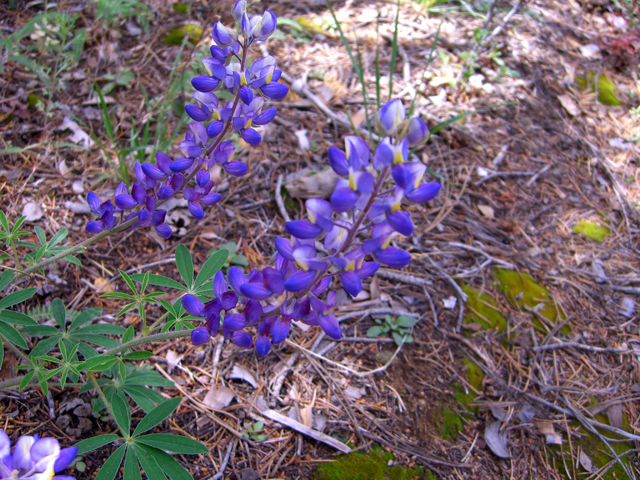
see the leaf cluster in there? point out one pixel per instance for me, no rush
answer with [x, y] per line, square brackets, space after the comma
[397, 328]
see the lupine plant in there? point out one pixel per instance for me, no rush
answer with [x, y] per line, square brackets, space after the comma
[341, 242]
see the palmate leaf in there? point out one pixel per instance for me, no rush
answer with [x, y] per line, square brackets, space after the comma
[159, 281]
[184, 264]
[6, 278]
[165, 461]
[84, 317]
[121, 412]
[211, 267]
[13, 335]
[147, 377]
[93, 443]
[131, 466]
[58, 311]
[16, 318]
[146, 398]
[112, 465]
[43, 347]
[157, 415]
[17, 297]
[173, 443]
[98, 364]
[148, 462]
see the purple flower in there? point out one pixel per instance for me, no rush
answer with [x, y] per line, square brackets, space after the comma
[418, 132]
[354, 269]
[222, 36]
[325, 317]
[393, 257]
[391, 116]
[34, 458]
[193, 305]
[200, 336]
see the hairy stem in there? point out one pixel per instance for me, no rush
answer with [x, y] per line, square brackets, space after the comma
[108, 406]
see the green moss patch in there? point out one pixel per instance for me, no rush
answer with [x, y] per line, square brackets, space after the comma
[601, 84]
[482, 310]
[475, 378]
[591, 230]
[597, 452]
[450, 424]
[524, 292]
[368, 466]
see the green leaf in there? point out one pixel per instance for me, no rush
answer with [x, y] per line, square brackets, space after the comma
[145, 282]
[406, 322]
[399, 339]
[1, 352]
[122, 413]
[157, 415]
[147, 460]
[3, 222]
[131, 467]
[110, 468]
[41, 330]
[185, 265]
[139, 355]
[98, 364]
[26, 380]
[99, 340]
[211, 267]
[124, 296]
[58, 311]
[16, 318]
[84, 317]
[128, 335]
[44, 346]
[159, 281]
[13, 335]
[74, 260]
[129, 282]
[6, 278]
[173, 443]
[374, 332]
[58, 237]
[143, 396]
[168, 307]
[166, 462]
[101, 328]
[148, 377]
[17, 297]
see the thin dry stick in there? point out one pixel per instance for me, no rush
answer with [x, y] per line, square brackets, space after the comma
[224, 463]
[280, 202]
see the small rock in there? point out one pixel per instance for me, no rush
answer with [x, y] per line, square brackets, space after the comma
[627, 307]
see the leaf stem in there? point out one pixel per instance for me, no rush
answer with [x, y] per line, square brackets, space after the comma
[107, 405]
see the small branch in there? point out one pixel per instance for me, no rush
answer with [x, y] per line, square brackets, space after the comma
[508, 17]
[504, 263]
[224, 463]
[557, 346]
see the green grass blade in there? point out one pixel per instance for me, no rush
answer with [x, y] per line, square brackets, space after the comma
[394, 51]
[433, 49]
[105, 113]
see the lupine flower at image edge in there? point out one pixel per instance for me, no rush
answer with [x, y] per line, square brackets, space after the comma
[34, 458]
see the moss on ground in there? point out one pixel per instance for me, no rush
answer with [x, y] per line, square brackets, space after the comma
[373, 465]
[482, 309]
[450, 424]
[592, 230]
[524, 292]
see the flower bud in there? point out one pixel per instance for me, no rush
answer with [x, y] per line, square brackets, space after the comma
[222, 36]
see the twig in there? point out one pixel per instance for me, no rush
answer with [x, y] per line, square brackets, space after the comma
[557, 346]
[493, 175]
[500, 27]
[280, 202]
[504, 263]
[403, 277]
[299, 427]
[224, 463]
[461, 295]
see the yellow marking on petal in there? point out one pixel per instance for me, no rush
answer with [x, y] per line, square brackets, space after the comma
[386, 243]
[247, 123]
[353, 185]
[216, 115]
[397, 156]
[270, 76]
[312, 217]
[243, 80]
[302, 265]
[351, 266]
[395, 206]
